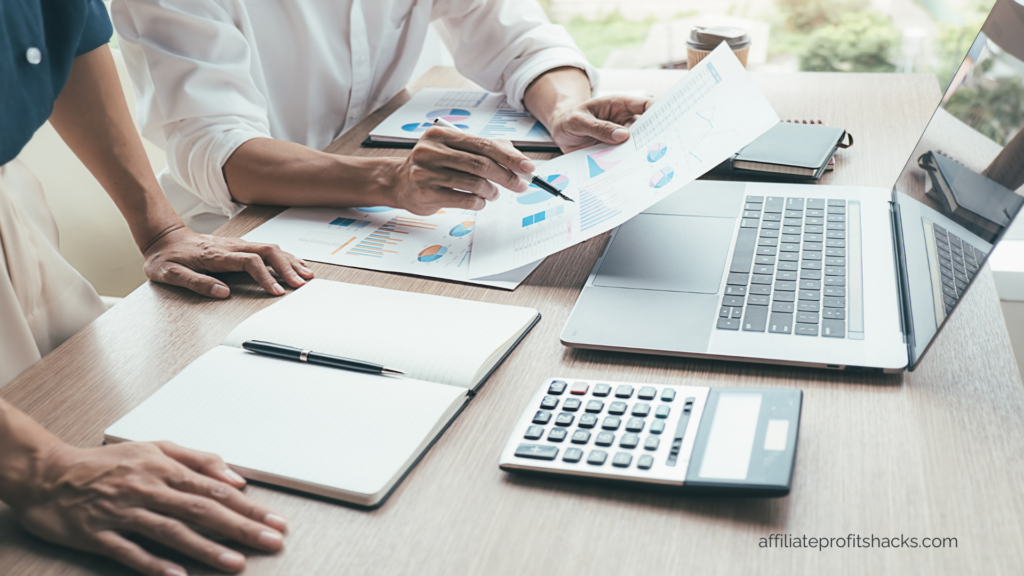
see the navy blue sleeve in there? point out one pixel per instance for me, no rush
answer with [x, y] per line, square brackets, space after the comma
[97, 30]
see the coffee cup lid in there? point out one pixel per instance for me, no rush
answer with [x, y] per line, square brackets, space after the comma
[708, 38]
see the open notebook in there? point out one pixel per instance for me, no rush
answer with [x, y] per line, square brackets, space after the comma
[335, 433]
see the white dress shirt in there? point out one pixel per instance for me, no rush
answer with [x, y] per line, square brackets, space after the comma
[211, 74]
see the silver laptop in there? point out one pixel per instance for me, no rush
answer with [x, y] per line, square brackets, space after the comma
[826, 276]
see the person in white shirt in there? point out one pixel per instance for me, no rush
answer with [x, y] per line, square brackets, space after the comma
[243, 95]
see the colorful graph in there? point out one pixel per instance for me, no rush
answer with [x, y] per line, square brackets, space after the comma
[462, 229]
[542, 216]
[432, 253]
[452, 115]
[534, 195]
[386, 238]
[593, 210]
[598, 165]
[414, 127]
[374, 209]
[349, 223]
[661, 177]
[656, 152]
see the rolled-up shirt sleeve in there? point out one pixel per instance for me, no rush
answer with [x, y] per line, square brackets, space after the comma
[195, 94]
[504, 45]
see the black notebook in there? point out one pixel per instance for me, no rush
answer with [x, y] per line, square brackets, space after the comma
[977, 203]
[789, 149]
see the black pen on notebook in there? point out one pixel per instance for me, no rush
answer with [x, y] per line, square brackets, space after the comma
[310, 357]
[531, 178]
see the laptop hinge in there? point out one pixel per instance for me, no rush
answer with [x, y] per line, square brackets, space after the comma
[899, 261]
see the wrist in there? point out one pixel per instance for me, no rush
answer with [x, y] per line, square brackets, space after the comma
[383, 186]
[25, 447]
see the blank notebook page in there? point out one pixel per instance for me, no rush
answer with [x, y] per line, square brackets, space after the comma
[433, 338]
[319, 425]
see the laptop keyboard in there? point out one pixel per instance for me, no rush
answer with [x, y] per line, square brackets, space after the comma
[958, 263]
[788, 269]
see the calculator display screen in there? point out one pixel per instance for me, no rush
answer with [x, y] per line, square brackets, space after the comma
[731, 439]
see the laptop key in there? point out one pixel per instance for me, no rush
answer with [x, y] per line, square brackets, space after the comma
[784, 297]
[832, 261]
[794, 203]
[836, 218]
[738, 312]
[836, 210]
[810, 265]
[732, 301]
[835, 302]
[768, 225]
[756, 301]
[764, 260]
[790, 248]
[792, 221]
[774, 204]
[837, 252]
[766, 251]
[782, 286]
[961, 286]
[814, 221]
[816, 246]
[814, 237]
[814, 229]
[835, 313]
[757, 199]
[763, 269]
[789, 257]
[743, 253]
[814, 213]
[780, 323]
[735, 290]
[751, 213]
[835, 243]
[835, 226]
[760, 289]
[771, 218]
[791, 230]
[768, 241]
[810, 295]
[793, 214]
[769, 233]
[728, 324]
[807, 274]
[816, 203]
[786, 307]
[755, 318]
[833, 328]
[837, 202]
[790, 238]
[786, 275]
[738, 279]
[835, 271]
[812, 255]
[806, 317]
[787, 266]
[806, 330]
[748, 223]
[810, 284]
[761, 279]
[807, 306]
[835, 291]
[835, 280]
[835, 234]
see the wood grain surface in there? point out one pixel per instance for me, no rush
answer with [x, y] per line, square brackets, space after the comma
[933, 453]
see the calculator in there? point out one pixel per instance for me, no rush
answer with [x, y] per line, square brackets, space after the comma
[739, 441]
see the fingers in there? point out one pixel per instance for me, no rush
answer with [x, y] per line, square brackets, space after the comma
[202, 462]
[174, 534]
[178, 275]
[601, 130]
[633, 105]
[279, 260]
[227, 497]
[496, 160]
[218, 518]
[120, 549]
[250, 263]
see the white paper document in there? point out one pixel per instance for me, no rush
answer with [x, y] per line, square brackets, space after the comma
[474, 111]
[385, 239]
[713, 112]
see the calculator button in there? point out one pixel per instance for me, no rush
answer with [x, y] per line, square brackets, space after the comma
[621, 460]
[644, 463]
[602, 390]
[604, 439]
[647, 393]
[597, 457]
[542, 417]
[617, 408]
[533, 433]
[611, 423]
[629, 440]
[557, 434]
[564, 419]
[557, 387]
[668, 394]
[571, 404]
[572, 455]
[641, 409]
[588, 421]
[579, 388]
[663, 411]
[580, 437]
[651, 443]
[595, 406]
[537, 451]
[549, 403]
[657, 427]
[624, 391]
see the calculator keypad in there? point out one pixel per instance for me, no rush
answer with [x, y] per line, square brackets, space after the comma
[611, 429]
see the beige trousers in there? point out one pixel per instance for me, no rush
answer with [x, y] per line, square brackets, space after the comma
[43, 300]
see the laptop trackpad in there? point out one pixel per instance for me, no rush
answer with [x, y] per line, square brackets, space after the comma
[666, 252]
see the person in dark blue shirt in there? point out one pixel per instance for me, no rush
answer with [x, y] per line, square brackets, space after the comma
[55, 65]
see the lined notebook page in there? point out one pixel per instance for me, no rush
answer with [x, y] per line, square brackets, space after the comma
[342, 430]
[433, 338]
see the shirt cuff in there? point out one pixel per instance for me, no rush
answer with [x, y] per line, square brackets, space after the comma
[206, 167]
[549, 59]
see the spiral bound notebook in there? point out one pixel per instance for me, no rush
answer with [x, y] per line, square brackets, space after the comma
[345, 435]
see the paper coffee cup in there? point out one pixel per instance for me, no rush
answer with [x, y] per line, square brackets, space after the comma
[703, 40]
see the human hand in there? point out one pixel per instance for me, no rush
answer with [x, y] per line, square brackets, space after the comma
[90, 499]
[597, 120]
[450, 169]
[183, 258]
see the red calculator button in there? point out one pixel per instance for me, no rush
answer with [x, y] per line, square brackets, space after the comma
[579, 388]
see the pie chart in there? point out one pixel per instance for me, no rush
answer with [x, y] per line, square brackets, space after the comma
[534, 195]
[461, 229]
[426, 126]
[452, 115]
[661, 177]
[656, 152]
[374, 209]
[431, 253]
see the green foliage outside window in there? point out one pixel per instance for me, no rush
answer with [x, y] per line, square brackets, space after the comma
[861, 41]
[994, 108]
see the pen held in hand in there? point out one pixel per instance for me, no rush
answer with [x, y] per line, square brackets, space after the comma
[310, 357]
[531, 178]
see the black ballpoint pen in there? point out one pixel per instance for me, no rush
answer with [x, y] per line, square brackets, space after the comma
[532, 178]
[301, 355]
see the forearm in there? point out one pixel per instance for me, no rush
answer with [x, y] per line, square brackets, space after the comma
[92, 117]
[556, 92]
[275, 172]
[23, 446]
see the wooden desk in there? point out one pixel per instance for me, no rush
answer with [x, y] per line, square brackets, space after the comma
[933, 453]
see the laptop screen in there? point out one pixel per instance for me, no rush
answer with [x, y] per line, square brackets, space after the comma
[962, 186]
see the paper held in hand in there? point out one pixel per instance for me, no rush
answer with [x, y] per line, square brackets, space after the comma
[714, 111]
